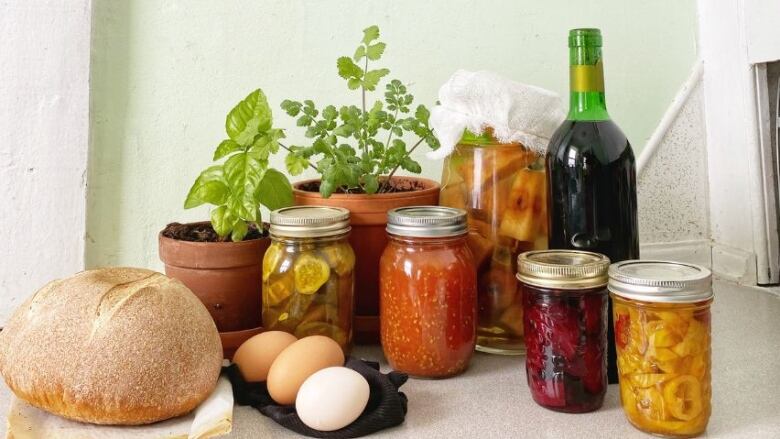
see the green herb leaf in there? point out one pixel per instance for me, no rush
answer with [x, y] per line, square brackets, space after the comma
[348, 69]
[370, 183]
[372, 77]
[274, 191]
[422, 114]
[226, 147]
[295, 163]
[359, 53]
[370, 34]
[410, 165]
[240, 230]
[209, 187]
[354, 83]
[222, 221]
[248, 118]
[244, 172]
[375, 51]
[292, 108]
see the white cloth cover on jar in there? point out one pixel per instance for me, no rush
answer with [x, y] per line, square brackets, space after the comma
[476, 100]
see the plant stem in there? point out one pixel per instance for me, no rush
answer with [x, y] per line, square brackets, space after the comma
[307, 161]
[364, 136]
[386, 183]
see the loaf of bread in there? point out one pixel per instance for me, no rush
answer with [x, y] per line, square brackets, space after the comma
[122, 346]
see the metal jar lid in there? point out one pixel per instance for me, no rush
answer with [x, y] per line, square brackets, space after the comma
[427, 221]
[660, 281]
[563, 269]
[309, 221]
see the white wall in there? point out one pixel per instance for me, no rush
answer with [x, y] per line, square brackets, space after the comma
[166, 73]
[733, 35]
[44, 103]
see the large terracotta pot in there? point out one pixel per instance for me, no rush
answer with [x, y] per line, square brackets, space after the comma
[227, 277]
[368, 239]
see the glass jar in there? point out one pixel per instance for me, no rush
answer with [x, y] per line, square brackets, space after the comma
[427, 292]
[502, 187]
[565, 301]
[662, 334]
[308, 274]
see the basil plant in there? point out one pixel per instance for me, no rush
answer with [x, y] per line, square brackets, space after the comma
[243, 181]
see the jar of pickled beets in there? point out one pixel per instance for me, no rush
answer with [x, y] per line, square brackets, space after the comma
[565, 321]
[427, 292]
[662, 335]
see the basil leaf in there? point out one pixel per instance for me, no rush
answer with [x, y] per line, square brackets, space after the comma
[274, 191]
[239, 231]
[203, 191]
[248, 118]
[243, 172]
[222, 221]
[226, 147]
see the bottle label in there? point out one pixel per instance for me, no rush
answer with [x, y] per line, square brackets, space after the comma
[584, 78]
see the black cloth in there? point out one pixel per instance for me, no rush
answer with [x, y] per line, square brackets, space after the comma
[386, 405]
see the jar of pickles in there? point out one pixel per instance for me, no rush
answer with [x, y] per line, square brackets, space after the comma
[662, 334]
[427, 292]
[308, 274]
[502, 187]
[565, 301]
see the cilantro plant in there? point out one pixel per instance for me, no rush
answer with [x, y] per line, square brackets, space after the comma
[358, 149]
[243, 182]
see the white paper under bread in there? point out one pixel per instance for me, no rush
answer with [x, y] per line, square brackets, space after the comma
[212, 418]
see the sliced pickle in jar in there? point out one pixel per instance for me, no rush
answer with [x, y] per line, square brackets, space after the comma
[512, 319]
[340, 257]
[277, 292]
[527, 207]
[311, 272]
[683, 398]
[273, 255]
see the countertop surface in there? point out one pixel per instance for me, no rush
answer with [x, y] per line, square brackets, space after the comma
[491, 399]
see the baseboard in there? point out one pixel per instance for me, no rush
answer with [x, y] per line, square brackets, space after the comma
[693, 252]
[734, 264]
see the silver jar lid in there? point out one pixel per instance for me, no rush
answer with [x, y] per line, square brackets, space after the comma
[427, 221]
[309, 221]
[563, 269]
[660, 281]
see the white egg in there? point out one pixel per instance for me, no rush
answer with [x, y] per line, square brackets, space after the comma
[332, 398]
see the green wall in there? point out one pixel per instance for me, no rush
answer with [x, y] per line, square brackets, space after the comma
[164, 74]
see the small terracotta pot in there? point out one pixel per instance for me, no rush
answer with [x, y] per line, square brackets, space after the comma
[226, 276]
[368, 239]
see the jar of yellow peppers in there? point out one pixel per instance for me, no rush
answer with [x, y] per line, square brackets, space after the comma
[662, 334]
[308, 274]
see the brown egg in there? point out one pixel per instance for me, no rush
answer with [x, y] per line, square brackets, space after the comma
[255, 356]
[299, 361]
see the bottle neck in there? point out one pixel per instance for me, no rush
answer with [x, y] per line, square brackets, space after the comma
[586, 83]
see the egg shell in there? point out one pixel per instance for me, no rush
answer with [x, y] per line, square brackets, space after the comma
[255, 356]
[299, 361]
[332, 398]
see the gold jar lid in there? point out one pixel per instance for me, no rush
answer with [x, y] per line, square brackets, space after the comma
[309, 221]
[563, 269]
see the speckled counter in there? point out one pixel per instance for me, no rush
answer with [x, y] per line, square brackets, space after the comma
[492, 400]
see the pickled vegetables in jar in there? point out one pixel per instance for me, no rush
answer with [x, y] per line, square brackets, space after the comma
[308, 274]
[662, 333]
[565, 298]
[502, 187]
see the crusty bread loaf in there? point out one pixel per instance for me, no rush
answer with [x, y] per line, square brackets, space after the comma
[121, 346]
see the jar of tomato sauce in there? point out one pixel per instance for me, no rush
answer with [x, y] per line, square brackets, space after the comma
[565, 302]
[427, 292]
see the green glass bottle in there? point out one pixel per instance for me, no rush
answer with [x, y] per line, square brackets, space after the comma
[591, 171]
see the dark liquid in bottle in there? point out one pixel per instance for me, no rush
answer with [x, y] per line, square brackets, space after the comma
[591, 196]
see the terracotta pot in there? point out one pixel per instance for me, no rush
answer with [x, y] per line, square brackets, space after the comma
[226, 276]
[368, 239]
